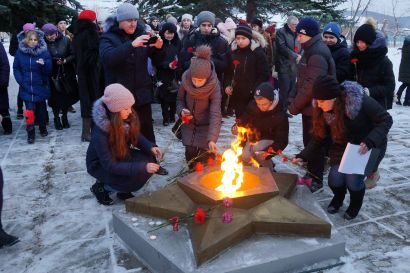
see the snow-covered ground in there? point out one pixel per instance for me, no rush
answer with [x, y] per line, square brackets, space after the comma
[62, 228]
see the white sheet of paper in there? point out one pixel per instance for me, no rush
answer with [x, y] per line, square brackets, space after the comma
[352, 161]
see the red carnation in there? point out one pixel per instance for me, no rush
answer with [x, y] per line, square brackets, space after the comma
[210, 161]
[199, 167]
[190, 49]
[270, 150]
[354, 60]
[236, 62]
[284, 159]
[185, 119]
[174, 63]
[29, 114]
[279, 152]
[296, 48]
[199, 216]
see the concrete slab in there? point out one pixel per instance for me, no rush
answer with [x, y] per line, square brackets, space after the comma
[172, 251]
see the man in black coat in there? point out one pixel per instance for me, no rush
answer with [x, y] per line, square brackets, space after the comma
[4, 97]
[317, 61]
[404, 73]
[205, 34]
[336, 42]
[124, 56]
[288, 55]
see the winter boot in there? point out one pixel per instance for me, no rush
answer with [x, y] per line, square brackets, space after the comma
[43, 130]
[64, 120]
[337, 201]
[101, 194]
[7, 239]
[86, 133]
[31, 136]
[7, 125]
[57, 124]
[124, 195]
[356, 201]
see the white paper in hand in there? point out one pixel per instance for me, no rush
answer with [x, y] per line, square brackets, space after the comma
[352, 161]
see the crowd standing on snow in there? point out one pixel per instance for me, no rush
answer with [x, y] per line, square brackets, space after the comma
[200, 69]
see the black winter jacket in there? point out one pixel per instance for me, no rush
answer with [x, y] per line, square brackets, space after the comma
[404, 72]
[127, 65]
[365, 121]
[316, 61]
[374, 70]
[341, 56]
[287, 50]
[218, 45]
[272, 125]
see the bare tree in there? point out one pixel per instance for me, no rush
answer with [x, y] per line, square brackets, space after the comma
[356, 11]
[396, 31]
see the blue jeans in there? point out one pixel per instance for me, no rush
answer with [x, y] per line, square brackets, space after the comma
[40, 112]
[354, 182]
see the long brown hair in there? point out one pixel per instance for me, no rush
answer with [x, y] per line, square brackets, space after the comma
[120, 138]
[337, 127]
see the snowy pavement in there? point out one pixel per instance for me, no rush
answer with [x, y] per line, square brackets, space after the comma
[62, 228]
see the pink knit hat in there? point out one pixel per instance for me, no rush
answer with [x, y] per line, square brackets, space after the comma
[117, 97]
[29, 26]
[229, 24]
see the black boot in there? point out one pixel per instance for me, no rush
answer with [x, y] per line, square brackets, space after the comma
[57, 124]
[356, 201]
[337, 201]
[7, 239]
[64, 120]
[124, 195]
[31, 136]
[7, 125]
[101, 194]
[43, 130]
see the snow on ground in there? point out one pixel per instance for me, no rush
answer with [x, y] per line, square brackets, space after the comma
[62, 228]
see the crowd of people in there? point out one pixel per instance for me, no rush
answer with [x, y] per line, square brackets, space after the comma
[200, 69]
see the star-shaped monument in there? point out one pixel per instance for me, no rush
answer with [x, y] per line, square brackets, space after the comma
[260, 206]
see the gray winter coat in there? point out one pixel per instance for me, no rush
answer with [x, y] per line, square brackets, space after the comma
[317, 61]
[287, 50]
[404, 72]
[204, 103]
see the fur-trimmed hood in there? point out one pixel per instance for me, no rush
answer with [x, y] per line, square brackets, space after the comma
[354, 98]
[100, 116]
[35, 51]
[257, 41]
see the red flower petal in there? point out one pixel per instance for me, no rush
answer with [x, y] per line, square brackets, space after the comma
[236, 62]
[270, 150]
[185, 119]
[199, 216]
[354, 60]
[284, 159]
[279, 152]
[190, 49]
[296, 49]
[199, 167]
[211, 161]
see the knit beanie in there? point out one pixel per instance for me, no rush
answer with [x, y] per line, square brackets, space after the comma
[186, 16]
[326, 88]
[244, 30]
[332, 29]
[172, 20]
[61, 18]
[87, 15]
[153, 18]
[127, 11]
[201, 67]
[49, 29]
[29, 26]
[230, 24]
[308, 26]
[365, 33]
[258, 22]
[117, 98]
[205, 16]
[266, 91]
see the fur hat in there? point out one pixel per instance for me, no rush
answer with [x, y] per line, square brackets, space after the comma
[244, 30]
[365, 33]
[127, 11]
[332, 29]
[266, 91]
[117, 97]
[258, 22]
[170, 27]
[206, 16]
[49, 29]
[308, 26]
[201, 66]
[87, 14]
[326, 88]
[186, 16]
[230, 24]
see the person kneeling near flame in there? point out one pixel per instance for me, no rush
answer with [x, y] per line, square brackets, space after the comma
[267, 126]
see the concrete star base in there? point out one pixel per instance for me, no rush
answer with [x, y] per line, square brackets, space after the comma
[173, 252]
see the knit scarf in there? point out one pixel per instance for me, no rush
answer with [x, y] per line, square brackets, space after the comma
[199, 92]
